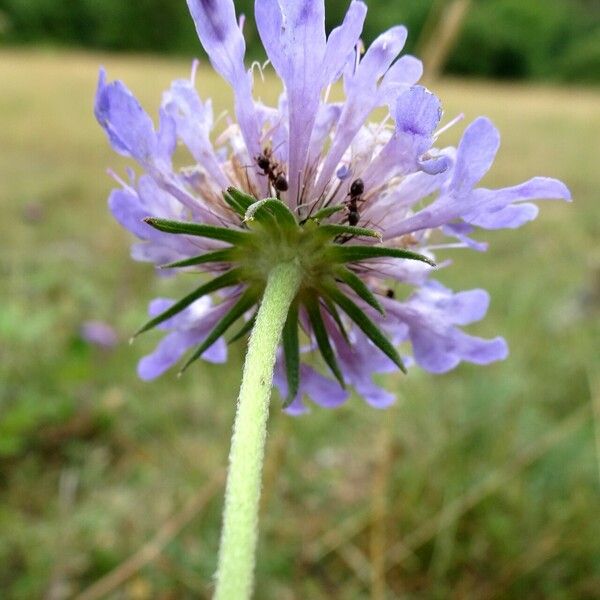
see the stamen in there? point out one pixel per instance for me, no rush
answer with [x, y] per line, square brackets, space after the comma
[445, 128]
[195, 65]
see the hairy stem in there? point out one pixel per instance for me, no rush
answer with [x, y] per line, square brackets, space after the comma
[240, 518]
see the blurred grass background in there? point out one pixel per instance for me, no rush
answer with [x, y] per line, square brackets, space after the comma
[483, 483]
[557, 40]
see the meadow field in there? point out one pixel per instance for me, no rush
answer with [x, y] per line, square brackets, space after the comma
[479, 484]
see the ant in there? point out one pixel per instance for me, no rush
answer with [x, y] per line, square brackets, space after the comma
[356, 191]
[271, 169]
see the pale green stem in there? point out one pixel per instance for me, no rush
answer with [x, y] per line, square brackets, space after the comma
[240, 518]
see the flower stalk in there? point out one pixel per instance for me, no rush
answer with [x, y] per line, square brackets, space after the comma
[240, 518]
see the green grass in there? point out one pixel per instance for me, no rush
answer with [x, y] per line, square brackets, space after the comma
[488, 475]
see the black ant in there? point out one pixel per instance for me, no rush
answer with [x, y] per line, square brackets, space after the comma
[271, 169]
[356, 191]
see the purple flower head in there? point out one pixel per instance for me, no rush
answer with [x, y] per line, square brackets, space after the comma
[359, 205]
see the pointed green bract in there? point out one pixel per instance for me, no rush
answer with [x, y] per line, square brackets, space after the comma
[246, 301]
[291, 353]
[227, 279]
[352, 280]
[208, 231]
[244, 200]
[246, 328]
[316, 320]
[325, 213]
[233, 202]
[344, 254]
[224, 255]
[334, 230]
[333, 311]
[271, 206]
[368, 327]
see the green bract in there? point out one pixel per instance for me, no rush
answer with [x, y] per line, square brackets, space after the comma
[270, 234]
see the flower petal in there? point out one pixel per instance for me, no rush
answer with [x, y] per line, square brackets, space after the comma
[406, 71]
[459, 308]
[321, 390]
[191, 326]
[342, 41]
[172, 347]
[220, 36]
[509, 217]
[440, 352]
[431, 315]
[493, 209]
[224, 43]
[378, 58]
[360, 360]
[293, 34]
[475, 155]
[126, 208]
[194, 120]
[129, 128]
[362, 98]
[418, 111]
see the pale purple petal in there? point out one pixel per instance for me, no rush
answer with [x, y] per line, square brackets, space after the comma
[434, 164]
[442, 351]
[202, 313]
[379, 57]
[166, 136]
[156, 253]
[224, 43]
[430, 316]
[342, 40]
[359, 360]
[362, 98]
[293, 34]
[475, 155]
[460, 308]
[418, 111]
[169, 350]
[493, 209]
[509, 217]
[129, 128]
[172, 348]
[405, 72]
[538, 188]
[220, 35]
[327, 117]
[321, 390]
[411, 190]
[194, 120]
[461, 232]
[482, 207]
[189, 328]
[413, 272]
[374, 395]
[127, 209]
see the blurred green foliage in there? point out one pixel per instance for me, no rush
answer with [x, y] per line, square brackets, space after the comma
[518, 39]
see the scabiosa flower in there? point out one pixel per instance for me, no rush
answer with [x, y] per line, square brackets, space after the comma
[360, 206]
[316, 214]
